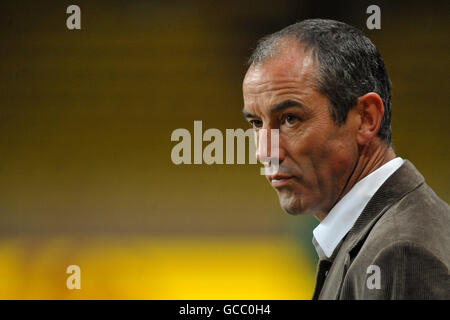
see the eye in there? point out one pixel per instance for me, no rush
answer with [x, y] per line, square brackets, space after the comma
[257, 124]
[290, 119]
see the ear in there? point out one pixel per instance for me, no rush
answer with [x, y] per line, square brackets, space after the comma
[371, 109]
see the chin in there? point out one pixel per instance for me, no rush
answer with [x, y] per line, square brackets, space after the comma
[293, 205]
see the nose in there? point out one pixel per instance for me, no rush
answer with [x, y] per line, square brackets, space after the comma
[268, 146]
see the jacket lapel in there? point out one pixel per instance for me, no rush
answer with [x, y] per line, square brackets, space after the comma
[401, 182]
[323, 267]
[333, 275]
[326, 269]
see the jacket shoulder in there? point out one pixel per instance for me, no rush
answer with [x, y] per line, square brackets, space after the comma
[403, 235]
[420, 218]
[405, 270]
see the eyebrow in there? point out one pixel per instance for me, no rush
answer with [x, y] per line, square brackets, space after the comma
[276, 108]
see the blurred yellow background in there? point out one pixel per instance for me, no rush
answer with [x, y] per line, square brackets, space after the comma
[156, 268]
[86, 117]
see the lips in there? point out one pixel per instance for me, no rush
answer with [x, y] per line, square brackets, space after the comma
[279, 180]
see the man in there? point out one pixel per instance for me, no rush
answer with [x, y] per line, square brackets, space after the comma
[383, 233]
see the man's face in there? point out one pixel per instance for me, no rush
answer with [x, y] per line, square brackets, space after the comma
[316, 157]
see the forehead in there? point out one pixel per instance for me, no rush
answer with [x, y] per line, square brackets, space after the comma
[291, 67]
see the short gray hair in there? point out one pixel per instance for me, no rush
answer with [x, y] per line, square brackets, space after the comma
[349, 65]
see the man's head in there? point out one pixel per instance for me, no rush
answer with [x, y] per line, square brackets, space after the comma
[324, 85]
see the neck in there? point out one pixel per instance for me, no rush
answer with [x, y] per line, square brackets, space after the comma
[371, 157]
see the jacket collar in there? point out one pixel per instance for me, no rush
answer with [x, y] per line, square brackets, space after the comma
[401, 182]
[338, 222]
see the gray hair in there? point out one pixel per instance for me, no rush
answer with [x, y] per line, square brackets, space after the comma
[349, 65]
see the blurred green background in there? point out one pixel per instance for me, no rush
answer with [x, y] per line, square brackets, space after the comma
[86, 116]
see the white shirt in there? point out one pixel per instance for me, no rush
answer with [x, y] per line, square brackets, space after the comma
[344, 214]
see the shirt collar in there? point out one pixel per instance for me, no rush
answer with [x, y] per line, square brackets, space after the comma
[346, 211]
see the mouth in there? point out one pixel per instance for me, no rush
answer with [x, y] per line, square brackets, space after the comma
[280, 180]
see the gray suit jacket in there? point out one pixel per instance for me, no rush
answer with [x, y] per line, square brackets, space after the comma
[399, 247]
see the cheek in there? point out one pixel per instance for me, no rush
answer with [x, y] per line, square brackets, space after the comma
[309, 147]
[321, 149]
[325, 158]
[338, 161]
[312, 136]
